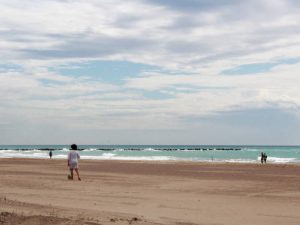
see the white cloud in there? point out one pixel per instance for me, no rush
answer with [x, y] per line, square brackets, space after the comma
[194, 41]
[211, 94]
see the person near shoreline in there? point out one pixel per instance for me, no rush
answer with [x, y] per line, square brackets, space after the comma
[50, 154]
[265, 158]
[73, 161]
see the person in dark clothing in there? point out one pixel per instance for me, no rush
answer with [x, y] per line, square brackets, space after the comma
[50, 154]
[265, 158]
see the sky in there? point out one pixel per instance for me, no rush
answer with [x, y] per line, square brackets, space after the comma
[150, 72]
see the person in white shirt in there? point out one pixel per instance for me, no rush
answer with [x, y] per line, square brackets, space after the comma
[73, 158]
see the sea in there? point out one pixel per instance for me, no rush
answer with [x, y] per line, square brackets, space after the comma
[195, 153]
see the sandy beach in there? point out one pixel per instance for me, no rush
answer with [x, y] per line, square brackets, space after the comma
[36, 191]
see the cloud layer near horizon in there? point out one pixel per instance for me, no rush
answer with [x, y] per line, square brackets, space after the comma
[183, 63]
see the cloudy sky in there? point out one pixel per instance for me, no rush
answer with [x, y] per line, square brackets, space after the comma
[150, 72]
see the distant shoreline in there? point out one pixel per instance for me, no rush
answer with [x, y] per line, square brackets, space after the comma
[183, 162]
[234, 154]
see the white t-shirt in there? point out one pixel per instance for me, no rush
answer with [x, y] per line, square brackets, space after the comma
[73, 156]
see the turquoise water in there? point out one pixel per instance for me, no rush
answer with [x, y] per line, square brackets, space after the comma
[239, 154]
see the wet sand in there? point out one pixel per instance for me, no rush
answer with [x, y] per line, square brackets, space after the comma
[36, 191]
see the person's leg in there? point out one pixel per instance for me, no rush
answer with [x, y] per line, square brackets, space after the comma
[77, 172]
[71, 170]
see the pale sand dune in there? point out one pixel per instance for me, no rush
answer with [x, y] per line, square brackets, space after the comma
[121, 192]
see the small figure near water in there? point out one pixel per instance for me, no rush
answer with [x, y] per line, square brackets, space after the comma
[50, 154]
[73, 161]
[263, 158]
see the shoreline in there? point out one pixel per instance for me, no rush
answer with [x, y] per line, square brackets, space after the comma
[162, 161]
[189, 153]
[148, 193]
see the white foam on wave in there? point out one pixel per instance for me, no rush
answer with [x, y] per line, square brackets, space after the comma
[251, 150]
[239, 161]
[30, 156]
[17, 151]
[186, 150]
[89, 150]
[7, 151]
[108, 155]
[282, 160]
[151, 150]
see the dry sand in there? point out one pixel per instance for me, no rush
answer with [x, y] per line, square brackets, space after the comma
[36, 191]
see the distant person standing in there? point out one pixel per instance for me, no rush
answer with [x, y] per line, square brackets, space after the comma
[50, 154]
[73, 160]
[265, 158]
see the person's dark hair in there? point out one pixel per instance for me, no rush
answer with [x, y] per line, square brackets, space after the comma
[74, 147]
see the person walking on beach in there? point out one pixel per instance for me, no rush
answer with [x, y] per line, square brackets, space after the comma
[50, 154]
[73, 158]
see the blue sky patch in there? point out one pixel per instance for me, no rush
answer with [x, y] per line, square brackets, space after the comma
[107, 71]
[156, 95]
[10, 68]
[250, 69]
[258, 67]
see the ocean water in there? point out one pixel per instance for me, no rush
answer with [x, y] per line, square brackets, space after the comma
[201, 153]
